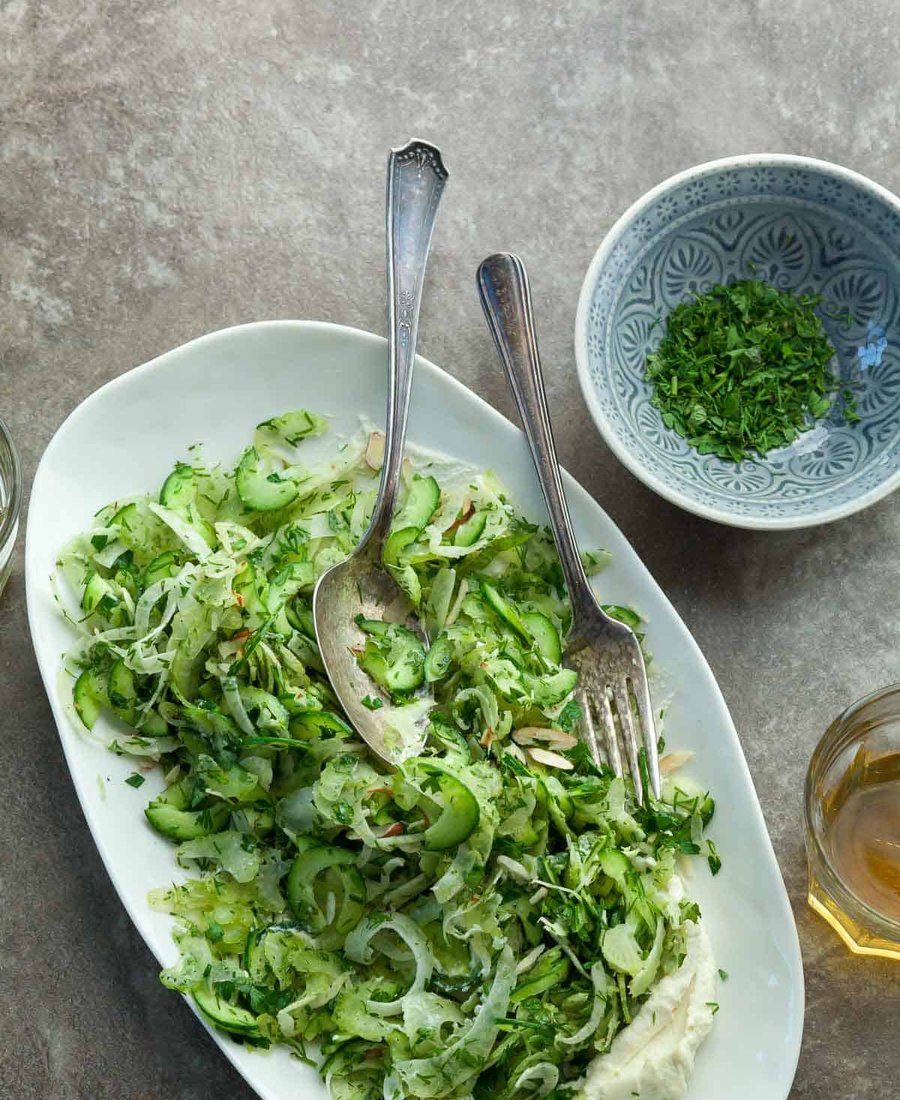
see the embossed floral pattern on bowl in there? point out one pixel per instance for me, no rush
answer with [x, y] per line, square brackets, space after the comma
[799, 224]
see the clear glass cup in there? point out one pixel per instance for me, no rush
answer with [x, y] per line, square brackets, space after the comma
[862, 743]
[10, 500]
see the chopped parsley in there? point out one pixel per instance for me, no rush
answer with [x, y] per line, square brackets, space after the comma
[744, 369]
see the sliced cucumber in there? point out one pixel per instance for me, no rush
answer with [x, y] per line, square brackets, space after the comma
[179, 489]
[262, 489]
[421, 503]
[254, 956]
[128, 520]
[623, 614]
[154, 725]
[177, 795]
[616, 865]
[96, 590]
[375, 628]
[291, 427]
[341, 878]
[179, 495]
[228, 1017]
[351, 1012]
[186, 824]
[394, 657]
[319, 723]
[397, 542]
[460, 812]
[438, 658]
[505, 610]
[545, 635]
[141, 531]
[121, 692]
[469, 532]
[89, 694]
[163, 565]
[547, 691]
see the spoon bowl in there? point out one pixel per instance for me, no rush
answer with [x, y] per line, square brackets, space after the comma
[362, 587]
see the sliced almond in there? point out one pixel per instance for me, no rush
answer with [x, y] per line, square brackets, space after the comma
[672, 761]
[550, 759]
[375, 451]
[558, 739]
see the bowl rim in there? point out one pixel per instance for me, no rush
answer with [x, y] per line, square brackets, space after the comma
[610, 437]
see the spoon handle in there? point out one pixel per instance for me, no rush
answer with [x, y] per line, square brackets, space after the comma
[506, 299]
[415, 183]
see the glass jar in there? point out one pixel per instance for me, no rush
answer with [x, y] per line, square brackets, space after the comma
[10, 500]
[852, 807]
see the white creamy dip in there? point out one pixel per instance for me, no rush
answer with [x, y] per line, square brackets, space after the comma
[653, 1057]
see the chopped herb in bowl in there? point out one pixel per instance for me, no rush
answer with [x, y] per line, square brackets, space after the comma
[744, 369]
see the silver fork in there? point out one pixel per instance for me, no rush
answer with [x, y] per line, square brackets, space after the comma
[612, 682]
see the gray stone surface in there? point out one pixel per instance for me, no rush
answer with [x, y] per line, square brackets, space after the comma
[175, 167]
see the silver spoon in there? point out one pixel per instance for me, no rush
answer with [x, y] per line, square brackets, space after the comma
[360, 585]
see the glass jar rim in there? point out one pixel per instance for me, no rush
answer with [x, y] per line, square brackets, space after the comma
[831, 739]
[10, 518]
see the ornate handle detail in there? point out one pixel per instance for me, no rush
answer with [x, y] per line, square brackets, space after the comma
[415, 184]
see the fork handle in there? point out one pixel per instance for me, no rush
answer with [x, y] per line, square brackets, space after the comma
[506, 299]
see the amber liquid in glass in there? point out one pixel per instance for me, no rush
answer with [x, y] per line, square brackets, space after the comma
[862, 831]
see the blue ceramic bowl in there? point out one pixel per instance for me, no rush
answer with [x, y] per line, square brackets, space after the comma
[794, 222]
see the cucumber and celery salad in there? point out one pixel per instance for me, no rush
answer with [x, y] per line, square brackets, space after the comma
[478, 922]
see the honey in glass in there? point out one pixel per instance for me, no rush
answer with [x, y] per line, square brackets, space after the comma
[853, 825]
